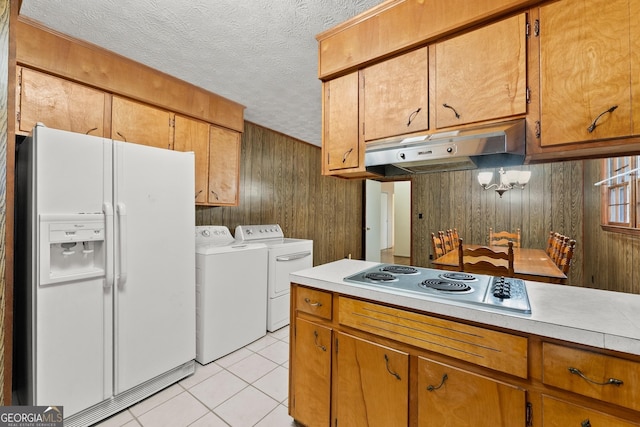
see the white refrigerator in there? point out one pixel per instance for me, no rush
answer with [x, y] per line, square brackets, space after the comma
[105, 272]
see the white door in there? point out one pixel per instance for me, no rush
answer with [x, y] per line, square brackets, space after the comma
[155, 263]
[384, 220]
[72, 357]
[372, 220]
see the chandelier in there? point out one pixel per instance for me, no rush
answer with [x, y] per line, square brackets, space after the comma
[508, 180]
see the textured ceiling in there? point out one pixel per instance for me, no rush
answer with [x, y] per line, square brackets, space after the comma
[260, 53]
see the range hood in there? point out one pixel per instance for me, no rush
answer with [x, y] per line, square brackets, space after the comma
[495, 145]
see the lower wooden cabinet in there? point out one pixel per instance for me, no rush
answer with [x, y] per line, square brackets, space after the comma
[359, 362]
[372, 384]
[558, 413]
[449, 396]
[310, 398]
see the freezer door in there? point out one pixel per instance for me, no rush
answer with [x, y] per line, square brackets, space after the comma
[71, 317]
[155, 262]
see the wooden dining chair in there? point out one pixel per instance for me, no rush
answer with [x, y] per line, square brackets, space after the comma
[447, 244]
[436, 246]
[564, 261]
[502, 238]
[558, 247]
[550, 241]
[484, 260]
[453, 237]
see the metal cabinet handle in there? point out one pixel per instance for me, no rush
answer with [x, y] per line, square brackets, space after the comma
[320, 346]
[314, 304]
[345, 155]
[433, 388]
[90, 130]
[454, 110]
[395, 374]
[612, 381]
[122, 136]
[594, 123]
[198, 193]
[215, 195]
[413, 116]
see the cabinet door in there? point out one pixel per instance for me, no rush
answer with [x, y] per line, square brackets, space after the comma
[451, 397]
[584, 71]
[395, 96]
[340, 124]
[193, 135]
[224, 166]
[558, 413]
[59, 104]
[481, 75]
[310, 397]
[372, 384]
[140, 123]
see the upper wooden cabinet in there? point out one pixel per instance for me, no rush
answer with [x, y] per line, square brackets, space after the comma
[481, 75]
[340, 145]
[58, 104]
[224, 167]
[585, 71]
[193, 135]
[394, 96]
[140, 123]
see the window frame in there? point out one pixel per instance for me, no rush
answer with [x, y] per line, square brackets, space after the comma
[633, 195]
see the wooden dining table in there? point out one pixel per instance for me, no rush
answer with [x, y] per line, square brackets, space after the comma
[528, 264]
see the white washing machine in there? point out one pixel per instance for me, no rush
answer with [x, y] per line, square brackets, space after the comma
[231, 292]
[286, 256]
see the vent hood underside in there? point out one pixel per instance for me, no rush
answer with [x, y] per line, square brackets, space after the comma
[490, 146]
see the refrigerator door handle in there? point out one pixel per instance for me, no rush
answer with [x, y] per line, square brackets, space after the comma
[107, 209]
[122, 220]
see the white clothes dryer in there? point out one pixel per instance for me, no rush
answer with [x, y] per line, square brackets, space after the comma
[286, 255]
[231, 292]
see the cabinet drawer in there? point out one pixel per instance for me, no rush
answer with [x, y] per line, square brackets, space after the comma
[602, 377]
[558, 413]
[496, 350]
[314, 302]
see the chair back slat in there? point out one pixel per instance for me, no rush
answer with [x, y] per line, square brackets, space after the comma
[502, 238]
[485, 260]
[436, 246]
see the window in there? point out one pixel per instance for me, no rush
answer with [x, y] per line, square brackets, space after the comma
[621, 193]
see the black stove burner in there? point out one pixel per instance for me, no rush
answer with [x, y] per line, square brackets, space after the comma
[380, 277]
[446, 286]
[464, 277]
[400, 269]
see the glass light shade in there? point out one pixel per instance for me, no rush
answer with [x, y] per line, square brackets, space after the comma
[484, 178]
[511, 177]
[523, 177]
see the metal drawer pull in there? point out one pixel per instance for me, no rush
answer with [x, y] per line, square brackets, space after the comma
[315, 304]
[434, 388]
[585, 423]
[321, 347]
[594, 123]
[386, 359]
[454, 110]
[612, 381]
[90, 130]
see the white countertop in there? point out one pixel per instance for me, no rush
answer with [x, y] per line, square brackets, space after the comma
[603, 319]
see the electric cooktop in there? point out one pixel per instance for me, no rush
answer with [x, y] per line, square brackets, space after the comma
[500, 293]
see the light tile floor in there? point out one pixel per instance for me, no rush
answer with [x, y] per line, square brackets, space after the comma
[246, 388]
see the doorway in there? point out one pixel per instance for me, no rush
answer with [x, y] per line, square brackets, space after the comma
[388, 222]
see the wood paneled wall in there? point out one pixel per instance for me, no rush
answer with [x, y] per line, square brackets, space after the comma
[612, 260]
[553, 200]
[280, 182]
